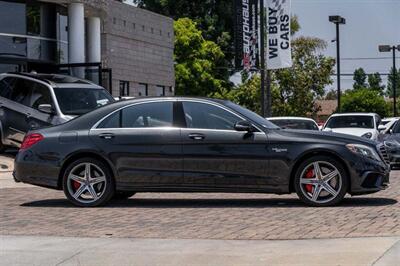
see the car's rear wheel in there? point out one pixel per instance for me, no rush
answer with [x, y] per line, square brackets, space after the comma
[321, 181]
[120, 195]
[88, 182]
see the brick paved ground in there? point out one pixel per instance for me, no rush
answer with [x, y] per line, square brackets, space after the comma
[37, 211]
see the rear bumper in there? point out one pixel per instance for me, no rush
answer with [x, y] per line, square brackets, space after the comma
[31, 169]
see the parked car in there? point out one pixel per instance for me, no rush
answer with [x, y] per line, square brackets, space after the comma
[392, 143]
[358, 124]
[387, 124]
[292, 122]
[171, 144]
[30, 101]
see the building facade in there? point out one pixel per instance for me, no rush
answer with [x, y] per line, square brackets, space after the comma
[126, 49]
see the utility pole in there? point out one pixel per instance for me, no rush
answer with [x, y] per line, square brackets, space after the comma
[262, 57]
[337, 20]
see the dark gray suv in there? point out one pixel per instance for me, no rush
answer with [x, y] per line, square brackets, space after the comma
[32, 101]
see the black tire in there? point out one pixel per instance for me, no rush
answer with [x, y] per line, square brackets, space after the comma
[108, 185]
[121, 195]
[341, 180]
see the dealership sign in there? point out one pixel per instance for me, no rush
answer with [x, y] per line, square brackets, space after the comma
[246, 34]
[278, 53]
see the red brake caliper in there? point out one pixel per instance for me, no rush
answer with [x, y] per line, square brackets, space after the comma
[76, 184]
[309, 174]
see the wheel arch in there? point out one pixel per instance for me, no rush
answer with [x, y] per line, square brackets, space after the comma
[312, 153]
[77, 156]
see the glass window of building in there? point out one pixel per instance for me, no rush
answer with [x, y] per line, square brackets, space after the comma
[123, 88]
[143, 89]
[160, 90]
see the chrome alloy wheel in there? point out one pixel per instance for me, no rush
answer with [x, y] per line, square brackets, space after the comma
[320, 182]
[86, 182]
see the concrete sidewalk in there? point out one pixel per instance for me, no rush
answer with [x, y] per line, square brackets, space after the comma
[37, 250]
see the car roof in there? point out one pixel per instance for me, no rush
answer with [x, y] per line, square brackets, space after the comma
[290, 117]
[56, 80]
[355, 114]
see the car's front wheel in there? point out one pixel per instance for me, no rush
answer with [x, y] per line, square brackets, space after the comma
[88, 182]
[321, 181]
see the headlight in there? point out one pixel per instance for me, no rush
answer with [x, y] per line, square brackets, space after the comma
[367, 135]
[364, 151]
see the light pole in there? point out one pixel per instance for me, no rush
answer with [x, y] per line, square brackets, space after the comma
[337, 20]
[385, 49]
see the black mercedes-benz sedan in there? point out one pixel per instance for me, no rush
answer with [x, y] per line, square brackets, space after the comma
[195, 145]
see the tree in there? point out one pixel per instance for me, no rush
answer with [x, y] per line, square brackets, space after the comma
[246, 94]
[375, 82]
[293, 90]
[391, 76]
[196, 60]
[298, 87]
[213, 18]
[359, 78]
[364, 100]
[331, 95]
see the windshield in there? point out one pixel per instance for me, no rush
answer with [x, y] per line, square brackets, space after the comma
[251, 115]
[356, 121]
[78, 101]
[295, 124]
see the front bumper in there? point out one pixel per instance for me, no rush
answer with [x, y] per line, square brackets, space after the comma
[369, 176]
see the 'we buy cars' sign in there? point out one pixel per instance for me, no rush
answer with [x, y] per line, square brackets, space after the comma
[278, 54]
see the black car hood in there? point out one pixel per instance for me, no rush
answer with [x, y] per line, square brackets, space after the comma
[323, 136]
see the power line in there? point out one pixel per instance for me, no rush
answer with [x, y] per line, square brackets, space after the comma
[369, 58]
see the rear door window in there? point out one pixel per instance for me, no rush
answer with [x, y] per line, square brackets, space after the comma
[22, 91]
[6, 87]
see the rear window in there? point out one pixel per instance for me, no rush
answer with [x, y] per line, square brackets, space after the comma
[355, 121]
[295, 124]
[78, 101]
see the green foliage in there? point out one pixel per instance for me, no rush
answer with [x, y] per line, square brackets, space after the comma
[213, 18]
[375, 82]
[246, 94]
[331, 95]
[293, 90]
[296, 88]
[360, 78]
[391, 77]
[196, 60]
[364, 100]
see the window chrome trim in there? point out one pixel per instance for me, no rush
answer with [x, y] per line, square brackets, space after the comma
[94, 127]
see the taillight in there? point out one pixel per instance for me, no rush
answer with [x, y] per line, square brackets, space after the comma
[30, 140]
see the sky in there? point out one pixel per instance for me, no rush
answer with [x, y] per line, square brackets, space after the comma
[368, 24]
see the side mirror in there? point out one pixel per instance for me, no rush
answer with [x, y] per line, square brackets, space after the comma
[244, 126]
[46, 108]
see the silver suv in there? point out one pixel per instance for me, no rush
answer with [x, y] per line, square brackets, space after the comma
[31, 101]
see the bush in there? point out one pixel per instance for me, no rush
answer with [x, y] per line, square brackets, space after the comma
[364, 100]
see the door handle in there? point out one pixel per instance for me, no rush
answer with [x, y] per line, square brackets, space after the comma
[106, 136]
[197, 136]
[28, 115]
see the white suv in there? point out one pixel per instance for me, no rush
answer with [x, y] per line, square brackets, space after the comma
[357, 124]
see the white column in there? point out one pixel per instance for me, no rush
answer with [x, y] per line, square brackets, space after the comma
[93, 45]
[76, 36]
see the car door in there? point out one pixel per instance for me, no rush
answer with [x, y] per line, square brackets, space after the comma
[17, 110]
[143, 144]
[6, 87]
[216, 155]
